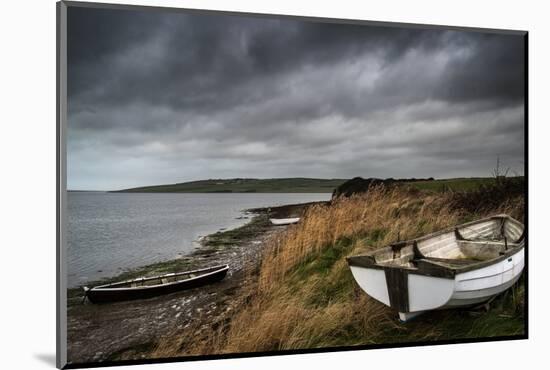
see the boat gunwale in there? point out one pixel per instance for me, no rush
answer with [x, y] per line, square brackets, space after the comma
[108, 287]
[367, 260]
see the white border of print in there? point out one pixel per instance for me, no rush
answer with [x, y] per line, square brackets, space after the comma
[28, 185]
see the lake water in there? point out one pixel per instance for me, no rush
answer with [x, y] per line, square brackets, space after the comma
[110, 232]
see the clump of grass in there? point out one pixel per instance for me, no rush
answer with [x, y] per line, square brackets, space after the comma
[305, 296]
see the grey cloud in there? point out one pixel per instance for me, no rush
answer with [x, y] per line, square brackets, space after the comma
[198, 96]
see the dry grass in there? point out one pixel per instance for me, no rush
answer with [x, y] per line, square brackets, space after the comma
[396, 213]
[305, 296]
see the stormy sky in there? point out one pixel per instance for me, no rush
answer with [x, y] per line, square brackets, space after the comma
[157, 98]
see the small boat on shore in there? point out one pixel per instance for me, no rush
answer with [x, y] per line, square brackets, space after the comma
[460, 266]
[284, 221]
[148, 287]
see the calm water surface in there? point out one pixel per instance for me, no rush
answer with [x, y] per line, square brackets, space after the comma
[110, 232]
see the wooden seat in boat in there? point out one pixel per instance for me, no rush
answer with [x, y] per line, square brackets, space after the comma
[441, 267]
[451, 262]
[419, 259]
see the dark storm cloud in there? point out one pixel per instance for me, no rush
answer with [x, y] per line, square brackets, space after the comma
[206, 61]
[197, 96]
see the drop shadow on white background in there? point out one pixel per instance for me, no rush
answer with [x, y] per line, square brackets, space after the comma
[46, 358]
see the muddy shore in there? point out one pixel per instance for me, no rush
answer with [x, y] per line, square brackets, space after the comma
[130, 330]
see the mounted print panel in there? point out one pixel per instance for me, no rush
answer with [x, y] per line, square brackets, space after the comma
[235, 184]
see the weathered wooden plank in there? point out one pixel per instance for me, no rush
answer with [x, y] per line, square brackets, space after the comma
[398, 288]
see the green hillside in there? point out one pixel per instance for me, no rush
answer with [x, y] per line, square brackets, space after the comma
[287, 185]
[295, 185]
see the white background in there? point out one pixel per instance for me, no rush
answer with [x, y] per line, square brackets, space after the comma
[27, 186]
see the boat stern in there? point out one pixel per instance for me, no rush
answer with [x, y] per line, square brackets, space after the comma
[373, 282]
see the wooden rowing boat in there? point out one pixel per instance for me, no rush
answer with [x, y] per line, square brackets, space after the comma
[459, 266]
[147, 287]
[284, 221]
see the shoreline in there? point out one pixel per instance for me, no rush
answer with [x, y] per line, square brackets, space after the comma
[257, 219]
[128, 330]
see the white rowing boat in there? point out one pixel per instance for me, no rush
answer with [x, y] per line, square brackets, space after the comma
[284, 221]
[459, 266]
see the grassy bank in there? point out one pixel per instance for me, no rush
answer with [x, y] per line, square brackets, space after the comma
[305, 296]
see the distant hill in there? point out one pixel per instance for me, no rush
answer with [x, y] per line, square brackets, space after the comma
[285, 185]
[300, 185]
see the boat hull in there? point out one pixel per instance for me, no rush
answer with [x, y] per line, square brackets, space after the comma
[108, 295]
[284, 221]
[424, 293]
